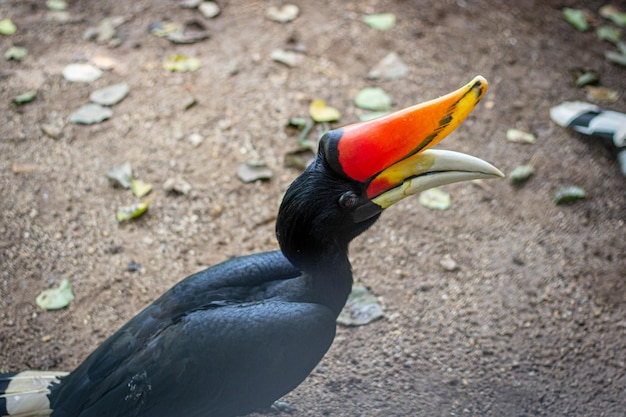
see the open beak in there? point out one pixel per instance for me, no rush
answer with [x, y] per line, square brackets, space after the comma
[389, 154]
[428, 169]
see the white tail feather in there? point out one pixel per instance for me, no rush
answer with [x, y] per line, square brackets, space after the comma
[26, 394]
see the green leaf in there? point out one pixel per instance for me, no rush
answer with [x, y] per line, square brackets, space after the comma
[609, 33]
[435, 199]
[16, 53]
[576, 18]
[26, 97]
[164, 29]
[382, 21]
[130, 212]
[298, 122]
[615, 57]
[583, 77]
[299, 159]
[361, 308]
[181, 63]
[614, 14]
[253, 171]
[369, 116]
[121, 175]
[56, 298]
[373, 98]
[56, 5]
[320, 112]
[519, 136]
[521, 173]
[568, 194]
[7, 27]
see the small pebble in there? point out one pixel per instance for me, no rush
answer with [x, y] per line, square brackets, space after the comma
[61, 17]
[51, 131]
[24, 168]
[217, 210]
[448, 264]
[90, 33]
[81, 73]
[595, 93]
[106, 30]
[190, 4]
[289, 58]
[191, 32]
[284, 14]
[103, 62]
[195, 139]
[209, 9]
[133, 266]
[233, 68]
[177, 185]
[188, 102]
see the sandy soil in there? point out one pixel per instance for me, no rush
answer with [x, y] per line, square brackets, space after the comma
[531, 324]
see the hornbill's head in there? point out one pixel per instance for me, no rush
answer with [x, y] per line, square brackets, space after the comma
[362, 169]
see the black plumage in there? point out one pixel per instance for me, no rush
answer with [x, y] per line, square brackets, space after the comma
[234, 338]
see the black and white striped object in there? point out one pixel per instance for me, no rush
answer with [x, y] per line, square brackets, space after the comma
[589, 119]
[25, 394]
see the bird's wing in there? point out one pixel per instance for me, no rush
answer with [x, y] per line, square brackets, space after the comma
[228, 283]
[225, 361]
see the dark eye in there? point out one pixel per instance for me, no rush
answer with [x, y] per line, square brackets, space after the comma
[348, 200]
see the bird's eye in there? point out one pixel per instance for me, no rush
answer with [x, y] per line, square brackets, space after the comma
[349, 200]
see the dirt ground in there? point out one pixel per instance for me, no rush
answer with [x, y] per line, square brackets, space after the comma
[533, 323]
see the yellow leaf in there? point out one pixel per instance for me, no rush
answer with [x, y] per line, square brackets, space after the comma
[320, 112]
[181, 63]
[140, 188]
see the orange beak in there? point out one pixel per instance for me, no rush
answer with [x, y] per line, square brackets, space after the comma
[389, 154]
[365, 149]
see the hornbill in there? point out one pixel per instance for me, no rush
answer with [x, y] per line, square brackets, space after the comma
[238, 336]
